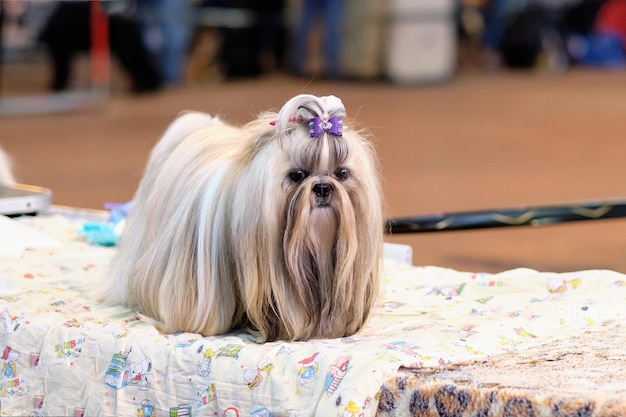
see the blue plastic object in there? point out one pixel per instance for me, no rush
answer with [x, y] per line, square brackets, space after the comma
[107, 233]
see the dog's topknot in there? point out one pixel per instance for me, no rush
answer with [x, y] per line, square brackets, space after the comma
[304, 107]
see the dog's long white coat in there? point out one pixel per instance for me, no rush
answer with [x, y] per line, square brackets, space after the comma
[221, 235]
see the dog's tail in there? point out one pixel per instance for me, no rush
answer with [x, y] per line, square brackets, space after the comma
[185, 124]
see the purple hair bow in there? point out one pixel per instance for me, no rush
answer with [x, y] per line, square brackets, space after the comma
[317, 126]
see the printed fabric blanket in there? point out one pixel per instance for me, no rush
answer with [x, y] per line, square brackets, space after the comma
[64, 354]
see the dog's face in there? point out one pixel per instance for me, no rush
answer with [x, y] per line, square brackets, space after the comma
[323, 191]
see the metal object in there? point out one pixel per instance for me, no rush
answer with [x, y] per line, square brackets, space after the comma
[526, 216]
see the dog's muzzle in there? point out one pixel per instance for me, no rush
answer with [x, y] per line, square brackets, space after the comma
[323, 193]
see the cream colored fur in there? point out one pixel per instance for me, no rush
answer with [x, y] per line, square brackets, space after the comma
[221, 236]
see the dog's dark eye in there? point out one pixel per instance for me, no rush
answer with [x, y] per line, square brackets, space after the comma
[298, 175]
[341, 174]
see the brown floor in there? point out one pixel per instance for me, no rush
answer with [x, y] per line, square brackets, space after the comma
[481, 141]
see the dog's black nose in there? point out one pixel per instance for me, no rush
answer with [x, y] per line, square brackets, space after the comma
[322, 189]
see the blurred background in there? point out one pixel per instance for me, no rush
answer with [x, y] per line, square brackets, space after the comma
[474, 105]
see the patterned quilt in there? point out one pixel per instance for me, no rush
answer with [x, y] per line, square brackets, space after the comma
[64, 354]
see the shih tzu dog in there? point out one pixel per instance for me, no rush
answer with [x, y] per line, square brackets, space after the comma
[275, 226]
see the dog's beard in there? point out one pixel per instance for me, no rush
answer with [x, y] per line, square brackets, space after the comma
[309, 245]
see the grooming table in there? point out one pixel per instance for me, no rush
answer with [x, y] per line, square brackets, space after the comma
[440, 343]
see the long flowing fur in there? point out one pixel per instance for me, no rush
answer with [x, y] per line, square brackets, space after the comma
[222, 234]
